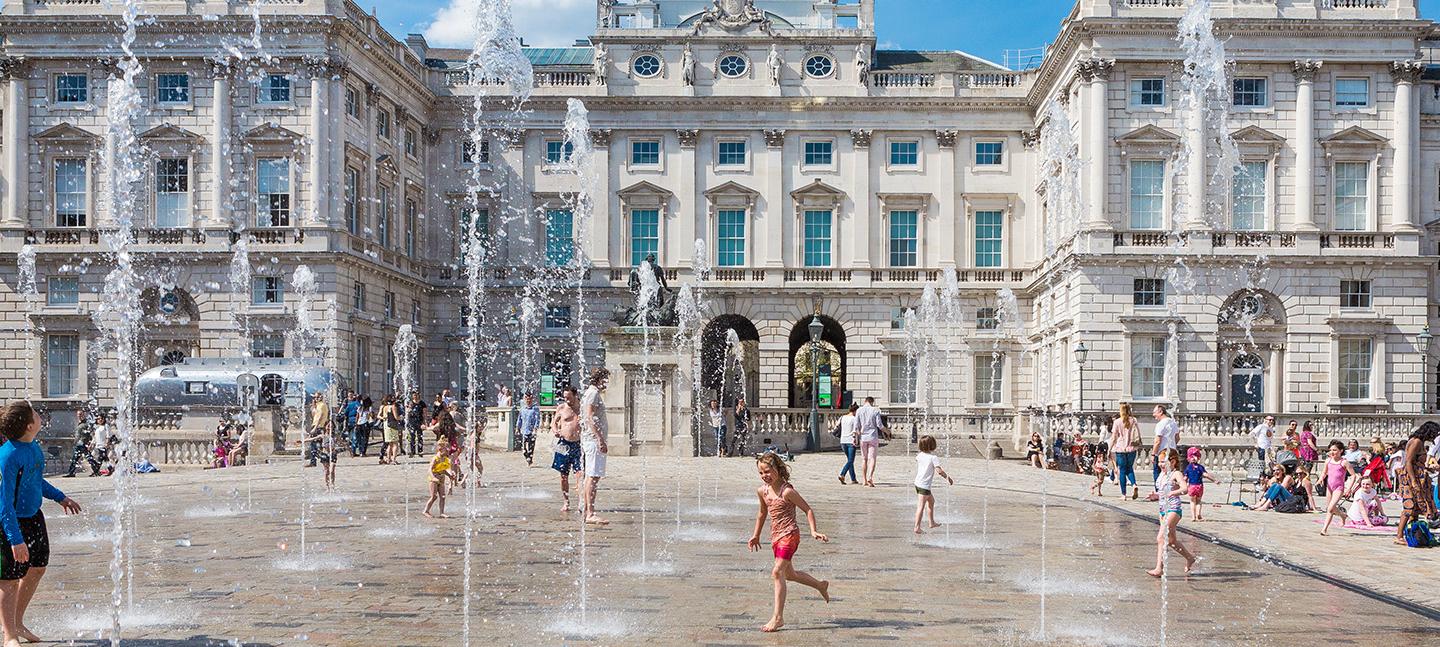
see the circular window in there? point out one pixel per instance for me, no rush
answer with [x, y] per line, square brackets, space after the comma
[733, 65]
[646, 65]
[169, 302]
[819, 66]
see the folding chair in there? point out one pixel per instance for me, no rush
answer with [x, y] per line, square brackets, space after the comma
[1254, 471]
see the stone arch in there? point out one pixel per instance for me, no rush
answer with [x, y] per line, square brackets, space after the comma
[171, 331]
[1251, 338]
[719, 359]
[833, 340]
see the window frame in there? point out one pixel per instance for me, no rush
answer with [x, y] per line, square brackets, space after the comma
[552, 320]
[86, 192]
[189, 90]
[1133, 377]
[995, 380]
[1000, 241]
[411, 143]
[384, 124]
[721, 165]
[552, 241]
[830, 60]
[908, 387]
[351, 200]
[354, 105]
[55, 89]
[631, 222]
[289, 178]
[914, 240]
[1352, 297]
[52, 291]
[1368, 212]
[263, 346]
[265, 91]
[659, 153]
[1145, 295]
[908, 167]
[1335, 103]
[155, 181]
[1264, 92]
[384, 215]
[805, 239]
[1263, 217]
[1135, 92]
[998, 166]
[805, 154]
[267, 291]
[74, 352]
[1163, 193]
[745, 65]
[659, 65]
[1343, 371]
[744, 238]
[566, 152]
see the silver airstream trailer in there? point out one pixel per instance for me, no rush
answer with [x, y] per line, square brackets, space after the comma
[214, 382]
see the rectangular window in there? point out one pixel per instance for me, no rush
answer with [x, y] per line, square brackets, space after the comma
[817, 238]
[474, 221]
[557, 318]
[904, 153]
[819, 153]
[62, 365]
[389, 305]
[383, 218]
[267, 291]
[412, 224]
[352, 102]
[897, 318]
[987, 319]
[1250, 93]
[903, 376]
[362, 364]
[989, 153]
[71, 193]
[172, 192]
[904, 238]
[1248, 196]
[1147, 194]
[412, 143]
[558, 151]
[1352, 93]
[730, 238]
[1355, 294]
[645, 152]
[1147, 367]
[1356, 359]
[172, 88]
[359, 301]
[731, 154]
[559, 237]
[62, 291]
[267, 346]
[644, 234]
[382, 124]
[72, 88]
[1149, 293]
[273, 187]
[989, 238]
[415, 312]
[989, 379]
[1352, 196]
[1147, 93]
[467, 152]
[352, 200]
[275, 89]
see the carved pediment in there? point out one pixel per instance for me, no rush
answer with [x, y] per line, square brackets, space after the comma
[1148, 135]
[386, 164]
[645, 195]
[818, 194]
[1256, 134]
[1354, 137]
[66, 132]
[273, 132]
[172, 133]
[732, 195]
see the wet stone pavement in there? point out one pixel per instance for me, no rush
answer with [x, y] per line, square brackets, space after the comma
[217, 561]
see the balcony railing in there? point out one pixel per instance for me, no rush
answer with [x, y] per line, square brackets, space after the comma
[1247, 239]
[1337, 240]
[902, 80]
[1149, 239]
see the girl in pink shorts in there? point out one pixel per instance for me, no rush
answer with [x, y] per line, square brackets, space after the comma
[1195, 477]
[779, 500]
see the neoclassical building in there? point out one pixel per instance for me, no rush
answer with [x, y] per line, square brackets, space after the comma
[819, 173]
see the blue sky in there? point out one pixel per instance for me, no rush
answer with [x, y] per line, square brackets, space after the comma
[983, 28]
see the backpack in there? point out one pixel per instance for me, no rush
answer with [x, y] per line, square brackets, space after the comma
[836, 430]
[1418, 535]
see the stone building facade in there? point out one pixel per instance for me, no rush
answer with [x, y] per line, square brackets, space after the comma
[822, 174]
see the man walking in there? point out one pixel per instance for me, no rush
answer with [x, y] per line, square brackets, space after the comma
[352, 416]
[593, 450]
[1167, 436]
[319, 422]
[414, 422]
[84, 432]
[566, 427]
[529, 422]
[1264, 434]
[868, 420]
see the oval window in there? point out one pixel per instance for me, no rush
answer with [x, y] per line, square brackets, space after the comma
[819, 67]
[733, 65]
[646, 65]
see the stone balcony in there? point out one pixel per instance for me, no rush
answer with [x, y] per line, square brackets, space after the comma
[1287, 9]
[583, 83]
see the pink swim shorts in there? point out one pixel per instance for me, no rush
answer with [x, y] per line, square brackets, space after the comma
[786, 546]
[1197, 490]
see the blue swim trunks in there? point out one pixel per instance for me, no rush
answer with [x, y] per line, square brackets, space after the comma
[567, 457]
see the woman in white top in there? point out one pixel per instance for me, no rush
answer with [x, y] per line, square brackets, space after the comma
[849, 433]
[717, 426]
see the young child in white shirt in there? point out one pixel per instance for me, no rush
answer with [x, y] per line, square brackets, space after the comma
[926, 465]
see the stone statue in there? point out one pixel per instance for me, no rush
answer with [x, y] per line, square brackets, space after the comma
[862, 65]
[776, 64]
[607, 13]
[660, 308]
[733, 15]
[687, 66]
[602, 64]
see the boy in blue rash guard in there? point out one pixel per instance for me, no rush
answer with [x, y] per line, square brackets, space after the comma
[26, 550]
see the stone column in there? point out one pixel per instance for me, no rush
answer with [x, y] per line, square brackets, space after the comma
[947, 247]
[1305, 144]
[17, 141]
[864, 223]
[220, 213]
[776, 203]
[319, 138]
[1095, 72]
[335, 144]
[691, 211]
[369, 226]
[1195, 180]
[599, 247]
[1405, 216]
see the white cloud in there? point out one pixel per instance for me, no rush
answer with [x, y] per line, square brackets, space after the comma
[543, 23]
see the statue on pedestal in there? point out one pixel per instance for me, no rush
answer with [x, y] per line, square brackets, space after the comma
[655, 308]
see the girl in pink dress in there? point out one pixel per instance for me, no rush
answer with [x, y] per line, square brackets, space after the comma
[1308, 452]
[1337, 471]
[779, 499]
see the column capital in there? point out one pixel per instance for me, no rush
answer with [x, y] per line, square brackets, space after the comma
[431, 135]
[1095, 69]
[688, 137]
[600, 137]
[1030, 138]
[1406, 71]
[775, 138]
[15, 67]
[946, 138]
[861, 138]
[1305, 69]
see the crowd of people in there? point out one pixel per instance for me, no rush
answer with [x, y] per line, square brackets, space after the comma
[94, 439]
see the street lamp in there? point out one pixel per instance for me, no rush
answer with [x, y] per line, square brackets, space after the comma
[1423, 341]
[1081, 352]
[816, 330]
[515, 382]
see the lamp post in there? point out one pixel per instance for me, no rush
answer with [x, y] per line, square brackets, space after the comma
[1081, 352]
[515, 383]
[816, 330]
[1423, 341]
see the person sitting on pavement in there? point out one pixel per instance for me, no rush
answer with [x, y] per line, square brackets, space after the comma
[1277, 488]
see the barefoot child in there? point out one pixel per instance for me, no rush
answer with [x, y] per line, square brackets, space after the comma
[440, 471]
[1366, 510]
[779, 498]
[1195, 476]
[1100, 467]
[1337, 472]
[1167, 486]
[926, 465]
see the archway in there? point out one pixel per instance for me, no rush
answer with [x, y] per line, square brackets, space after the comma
[832, 361]
[171, 333]
[1251, 339]
[730, 367]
